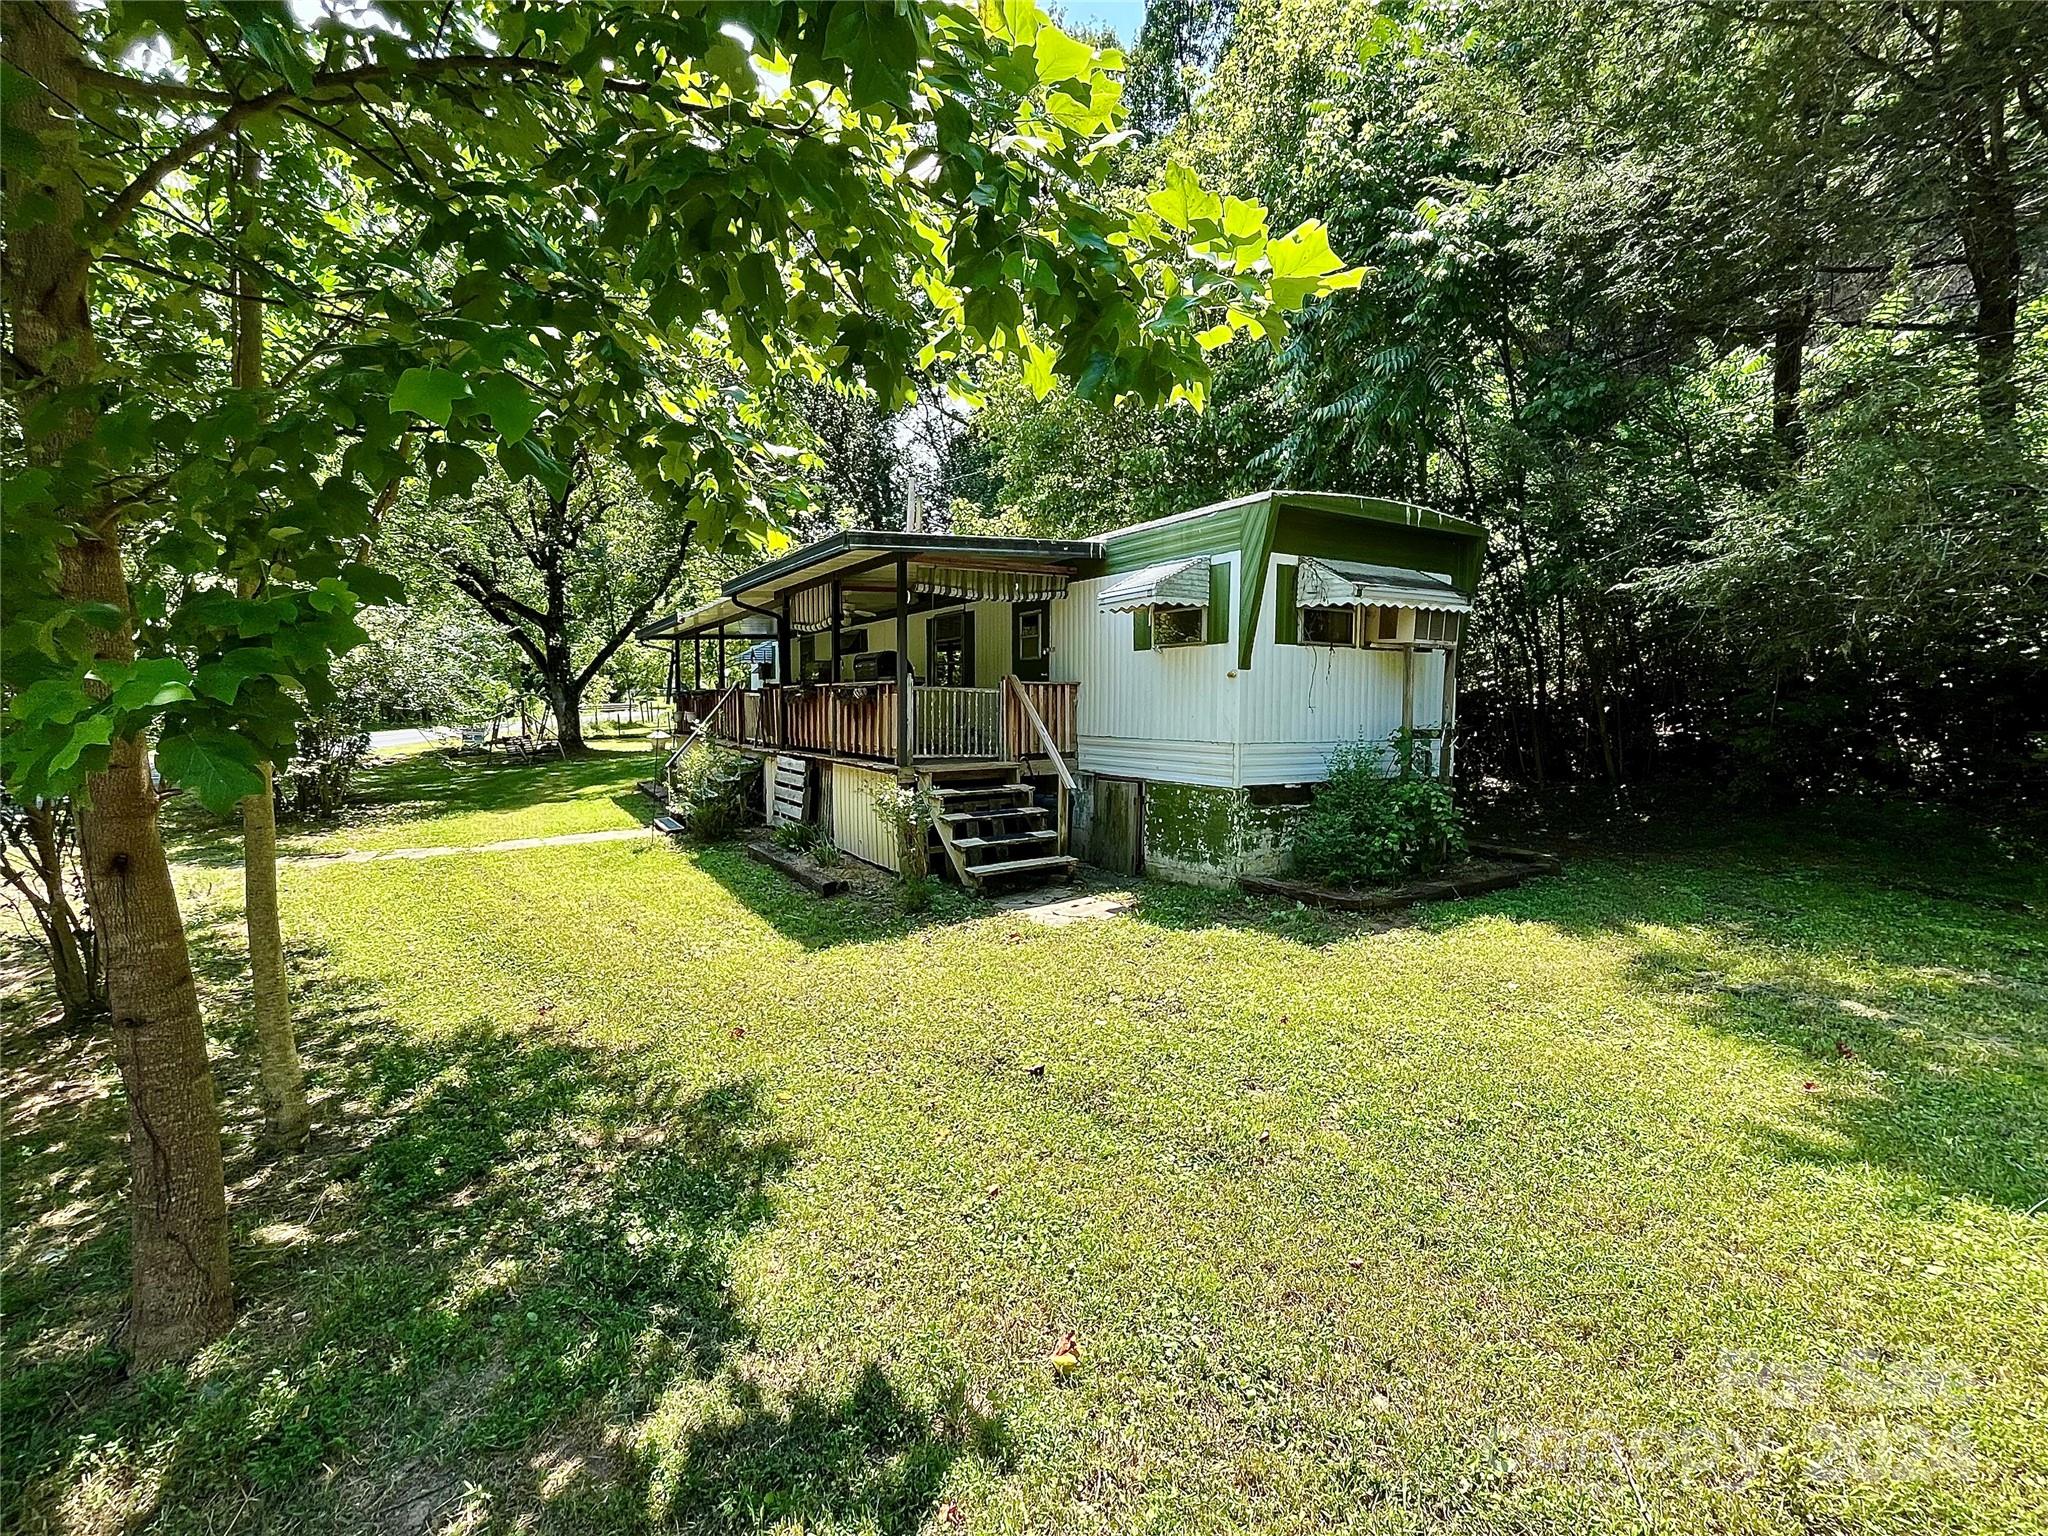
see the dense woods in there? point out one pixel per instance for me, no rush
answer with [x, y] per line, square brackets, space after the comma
[1727, 321]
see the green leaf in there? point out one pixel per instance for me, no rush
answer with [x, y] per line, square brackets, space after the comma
[1183, 200]
[151, 684]
[1012, 21]
[223, 677]
[428, 392]
[93, 731]
[1300, 261]
[526, 459]
[215, 764]
[508, 403]
[269, 32]
[1061, 57]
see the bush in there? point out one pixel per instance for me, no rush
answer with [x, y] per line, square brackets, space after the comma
[1366, 826]
[796, 836]
[315, 784]
[908, 811]
[710, 788]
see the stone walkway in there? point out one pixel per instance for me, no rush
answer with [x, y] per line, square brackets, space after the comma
[509, 845]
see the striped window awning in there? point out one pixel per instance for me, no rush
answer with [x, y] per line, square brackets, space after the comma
[810, 609]
[987, 586]
[1345, 584]
[1175, 584]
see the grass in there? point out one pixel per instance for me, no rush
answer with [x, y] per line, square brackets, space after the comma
[1699, 1189]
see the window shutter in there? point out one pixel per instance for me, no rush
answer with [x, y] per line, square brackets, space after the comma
[1286, 617]
[1219, 605]
[1141, 629]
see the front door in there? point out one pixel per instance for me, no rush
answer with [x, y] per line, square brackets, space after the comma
[952, 647]
[1031, 641]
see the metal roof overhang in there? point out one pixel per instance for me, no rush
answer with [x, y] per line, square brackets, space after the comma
[707, 618]
[1351, 584]
[859, 550]
[1170, 584]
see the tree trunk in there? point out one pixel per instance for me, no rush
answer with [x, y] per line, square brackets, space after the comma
[280, 1079]
[180, 1296]
[565, 695]
[1788, 365]
[1988, 215]
[74, 965]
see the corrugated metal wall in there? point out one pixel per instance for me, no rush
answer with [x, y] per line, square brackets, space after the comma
[1164, 714]
[1187, 715]
[855, 826]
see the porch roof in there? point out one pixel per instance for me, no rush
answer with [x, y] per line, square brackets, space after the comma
[873, 552]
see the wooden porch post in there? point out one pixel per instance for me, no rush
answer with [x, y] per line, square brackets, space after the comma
[721, 656]
[837, 601]
[902, 663]
[697, 662]
[1407, 703]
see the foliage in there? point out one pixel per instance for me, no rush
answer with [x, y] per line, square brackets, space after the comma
[711, 789]
[481, 247]
[1379, 817]
[797, 836]
[428, 663]
[909, 813]
[45, 890]
[315, 784]
[1727, 324]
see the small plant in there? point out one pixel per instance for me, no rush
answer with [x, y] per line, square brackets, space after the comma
[827, 854]
[709, 789]
[1368, 825]
[796, 836]
[907, 810]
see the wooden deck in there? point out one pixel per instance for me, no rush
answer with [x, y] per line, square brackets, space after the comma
[860, 722]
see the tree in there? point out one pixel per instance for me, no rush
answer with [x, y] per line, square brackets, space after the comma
[486, 230]
[566, 575]
[39, 863]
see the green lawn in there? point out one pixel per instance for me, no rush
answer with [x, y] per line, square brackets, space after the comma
[1698, 1190]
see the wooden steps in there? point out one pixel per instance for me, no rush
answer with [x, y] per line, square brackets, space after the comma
[995, 831]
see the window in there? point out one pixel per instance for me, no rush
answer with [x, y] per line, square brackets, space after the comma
[1329, 626]
[1031, 634]
[952, 646]
[1435, 628]
[1179, 626]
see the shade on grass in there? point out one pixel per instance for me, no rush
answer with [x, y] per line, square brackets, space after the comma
[1691, 1190]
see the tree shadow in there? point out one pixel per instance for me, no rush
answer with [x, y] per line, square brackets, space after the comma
[499, 1244]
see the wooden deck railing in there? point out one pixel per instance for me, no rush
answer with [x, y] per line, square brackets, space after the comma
[858, 720]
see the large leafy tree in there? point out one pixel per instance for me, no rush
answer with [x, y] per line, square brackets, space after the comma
[483, 230]
[565, 572]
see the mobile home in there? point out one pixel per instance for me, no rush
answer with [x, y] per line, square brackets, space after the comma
[1160, 698]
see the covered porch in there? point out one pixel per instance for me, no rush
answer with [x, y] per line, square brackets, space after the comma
[919, 651]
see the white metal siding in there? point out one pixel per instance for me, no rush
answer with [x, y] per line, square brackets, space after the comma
[1301, 702]
[1158, 714]
[855, 826]
[1188, 716]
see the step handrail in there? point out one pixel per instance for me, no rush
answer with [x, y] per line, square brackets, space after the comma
[702, 726]
[1031, 714]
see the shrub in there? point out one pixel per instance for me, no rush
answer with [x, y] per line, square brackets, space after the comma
[798, 836]
[315, 784]
[1366, 826]
[907, 810]
[709, 790]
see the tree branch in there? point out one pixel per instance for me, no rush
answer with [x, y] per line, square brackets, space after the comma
[641, 609]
